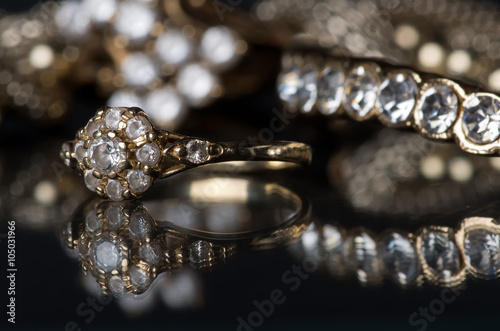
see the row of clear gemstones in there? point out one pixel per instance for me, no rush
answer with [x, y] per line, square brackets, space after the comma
[438, 108]
[436, 253]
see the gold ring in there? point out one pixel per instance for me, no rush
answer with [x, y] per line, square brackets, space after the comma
[120, 153]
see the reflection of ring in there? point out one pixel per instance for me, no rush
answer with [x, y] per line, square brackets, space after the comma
[436, 107]
[121, 153]
[126, 245]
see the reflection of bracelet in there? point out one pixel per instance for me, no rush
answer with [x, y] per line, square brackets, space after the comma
[437, 255]
[438, 108]
[400, 173]
[125, 248]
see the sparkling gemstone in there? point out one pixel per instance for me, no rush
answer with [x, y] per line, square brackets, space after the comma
[288, 85]
[482, 250]
[90, 181]
[330, 89]
[441, 254]
[125, 97]
[107, 255]
[481, 119]
[195, 82]
[134, 20]
[166, 107]
[438, 109]
[197, 151]
[399, 258]
[173, 47]
[112, 118]
[140, 225]
[114, 214]
[138, 181]
[71, 20]
[361, 91]
[65, 149]
[105, 154]
[92, 127]
[92, 223]
[200, 252]
[116, 285]
[139, 69]
[114, 190]
[139, 278]
[218, 45]
[137, 126]
[80, 151]
[100, 10]
[363, 257]
[308, 89]
[150, 252]
[396, 97]
[149, 154]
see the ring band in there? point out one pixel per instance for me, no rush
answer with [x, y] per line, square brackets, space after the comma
[399, 97]
[121, 153]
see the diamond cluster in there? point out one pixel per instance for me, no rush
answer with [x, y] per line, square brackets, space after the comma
[438, 108]
[116, 152]
[119, 245]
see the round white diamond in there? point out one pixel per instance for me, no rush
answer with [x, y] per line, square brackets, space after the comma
[125, 97]
[90, 181]
[137, 126]
[92, 127]
[114, 190]
[363, 257]
[482, 250]
[361, 91]
[173, 47]
[148, 154]
[116, 285]
[481, 119]
[195, 82]
[92, 223]
[200, 251]
[100, 10]
[139, 69]
[438, 108]
[288, 85]
[399, 257]
[330, 89]
[105, 154]
[138, 181]
[218, 45]
[441, 254]
[166, 107]
[140, 225]
[134, 20]
[150, 252]
[197, 151]
[80, 151]
[113, 117]
[71, 20]
[139, 278]
[396, 97]
[114, 214]
[107, 255]
[308, 89]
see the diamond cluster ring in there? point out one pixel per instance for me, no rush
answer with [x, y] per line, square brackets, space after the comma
[437, 107]
[120, 152]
